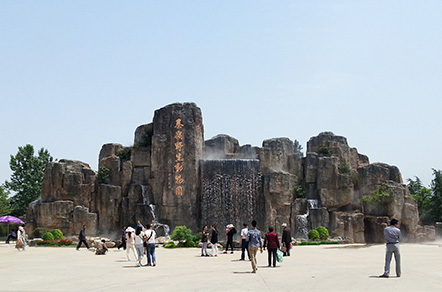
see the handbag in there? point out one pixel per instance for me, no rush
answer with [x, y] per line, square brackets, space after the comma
[283, 249]
[279, 256]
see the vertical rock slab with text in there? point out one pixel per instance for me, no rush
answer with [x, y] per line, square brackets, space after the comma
[177, 147]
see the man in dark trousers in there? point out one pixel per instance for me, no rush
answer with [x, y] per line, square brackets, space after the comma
[286, 239]
[392, 234]
[82, 238]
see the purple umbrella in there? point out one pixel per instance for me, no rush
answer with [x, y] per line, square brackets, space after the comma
[10, 219]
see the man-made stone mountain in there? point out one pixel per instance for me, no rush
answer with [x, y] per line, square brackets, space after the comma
[173, 177]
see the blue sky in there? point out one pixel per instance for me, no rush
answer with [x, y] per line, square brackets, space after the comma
[75, 75]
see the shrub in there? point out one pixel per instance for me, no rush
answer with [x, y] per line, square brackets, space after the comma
[48, 236]
[382, 193]
[344, 168]
[57, 234]
[181, 233]
[313, 234]
[299, 192]
[61, 242]
[324, 151]
[196, 238]
[190, 243]
[170, 244]
[38, 232]
[124, 153]
[323, 232]
[103, 175]
[317, 242]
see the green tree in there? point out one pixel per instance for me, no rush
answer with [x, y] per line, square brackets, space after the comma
[423, 197]
[5, 202]
[436, 187]
[429, 200]
[298, 148]
[27, 177]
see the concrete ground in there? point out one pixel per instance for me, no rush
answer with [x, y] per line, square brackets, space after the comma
[309, 268]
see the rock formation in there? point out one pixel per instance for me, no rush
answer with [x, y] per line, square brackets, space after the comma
[173, 177]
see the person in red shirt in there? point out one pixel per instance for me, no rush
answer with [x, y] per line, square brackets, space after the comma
[271, 242]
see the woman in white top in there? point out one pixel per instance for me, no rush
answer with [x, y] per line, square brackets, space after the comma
[139, 239]
[130, 240]
[150, 238]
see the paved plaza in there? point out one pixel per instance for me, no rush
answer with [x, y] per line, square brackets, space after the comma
[310, 268]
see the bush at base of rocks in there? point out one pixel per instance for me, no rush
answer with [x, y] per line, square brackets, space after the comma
[61, 242]
[57, 234]
[48, 236]
[313, 234]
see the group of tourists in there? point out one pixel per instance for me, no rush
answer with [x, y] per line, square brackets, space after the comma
[141, 241]
[251, 241]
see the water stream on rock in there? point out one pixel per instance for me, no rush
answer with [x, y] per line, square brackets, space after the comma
[302, 221]
[160, 228]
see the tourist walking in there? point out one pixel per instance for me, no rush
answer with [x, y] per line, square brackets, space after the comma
[286, 239]
[255, 241]
[271, 242]
[139, 247]
[204, 240]
[123, 239]
[21, 239]
[82, 238]
[230, 232]
[392, 234]
[214, 241]
[244, 242]
[130, 242]
[150, 248]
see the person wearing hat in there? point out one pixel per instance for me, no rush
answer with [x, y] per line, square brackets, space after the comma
[286, 239]
[392, 234]
[230, 232]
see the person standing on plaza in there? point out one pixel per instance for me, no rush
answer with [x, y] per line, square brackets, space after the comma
[204, 240]
[82, 238]
[230, 232]
[214, 241]
[123, 239]
[244, 242]
[139, 240]
[130, 241]
[255, 241]
[21, 239]
[286, 239]
[392, 235]
[271, 242]
[150, 250]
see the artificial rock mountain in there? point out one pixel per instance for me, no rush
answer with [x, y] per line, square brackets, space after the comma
[174, 177]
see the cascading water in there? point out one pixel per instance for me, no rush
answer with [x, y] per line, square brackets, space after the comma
[302, 221]
[231, 192]
[148, 203]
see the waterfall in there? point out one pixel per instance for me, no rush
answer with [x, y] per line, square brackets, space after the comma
[148, 203]
[302, 221]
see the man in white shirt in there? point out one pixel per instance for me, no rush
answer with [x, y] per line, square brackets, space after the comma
[244, 243]
[392, 234]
